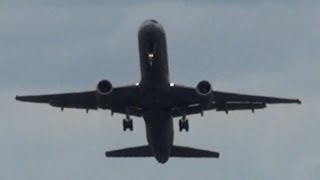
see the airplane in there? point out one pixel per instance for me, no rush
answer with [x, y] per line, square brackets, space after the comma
[157, 101]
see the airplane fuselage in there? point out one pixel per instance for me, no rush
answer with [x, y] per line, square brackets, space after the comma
[155, 86]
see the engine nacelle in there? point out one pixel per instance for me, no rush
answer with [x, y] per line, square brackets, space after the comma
[104, 90]
[204, 90]
[104, 87]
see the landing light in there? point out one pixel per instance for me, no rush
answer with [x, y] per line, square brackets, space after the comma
[150, 56]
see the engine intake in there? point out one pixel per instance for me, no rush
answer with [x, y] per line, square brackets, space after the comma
[204, 88]
[104, 87]
[204, 91]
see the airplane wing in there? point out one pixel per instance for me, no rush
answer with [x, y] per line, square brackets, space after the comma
[184, 96]
[117, 102]
[79, 100]
[197, 109]
[220, 96]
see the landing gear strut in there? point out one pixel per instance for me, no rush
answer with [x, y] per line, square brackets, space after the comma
[184, 124]
[127, 123]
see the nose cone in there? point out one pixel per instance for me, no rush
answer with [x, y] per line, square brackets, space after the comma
[150, 29]
[151, 21]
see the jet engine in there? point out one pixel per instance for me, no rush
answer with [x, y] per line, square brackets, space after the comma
[204, 91]
[104, 90]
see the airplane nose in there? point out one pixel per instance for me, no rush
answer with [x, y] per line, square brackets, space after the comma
[150, 30]
[152, 21]
[149, 26]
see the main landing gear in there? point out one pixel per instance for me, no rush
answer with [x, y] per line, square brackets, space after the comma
[127, 123]
[184, 124]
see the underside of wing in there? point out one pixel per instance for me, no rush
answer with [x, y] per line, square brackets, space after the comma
[189, 95]
[188, 101]
[117, 101]
[197, 109]
[220, 96]
[81, 100]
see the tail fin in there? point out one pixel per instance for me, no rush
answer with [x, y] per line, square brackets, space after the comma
[176, 151]
[186, 152]
[141, 151]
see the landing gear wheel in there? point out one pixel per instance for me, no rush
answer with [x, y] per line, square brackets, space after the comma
[183, 125]
[180, 125]
[127, 124]
[186, 125]
[130, 126]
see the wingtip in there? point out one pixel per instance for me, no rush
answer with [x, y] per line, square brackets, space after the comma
[299, 101]
[20, 98]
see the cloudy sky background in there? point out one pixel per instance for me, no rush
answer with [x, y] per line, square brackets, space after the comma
[257, 47]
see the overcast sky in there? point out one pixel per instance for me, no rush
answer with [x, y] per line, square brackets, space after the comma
[257, 47]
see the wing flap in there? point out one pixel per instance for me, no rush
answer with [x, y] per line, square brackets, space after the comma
[196, 109]
[234, 97]
[240, 106]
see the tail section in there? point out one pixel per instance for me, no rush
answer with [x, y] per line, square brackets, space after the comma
[186, 152]
[176, 151]
[141, 151]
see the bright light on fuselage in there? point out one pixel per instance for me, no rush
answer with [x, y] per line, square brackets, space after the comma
[151, 56]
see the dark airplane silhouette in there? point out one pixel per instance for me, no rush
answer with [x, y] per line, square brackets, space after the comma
[157, 100]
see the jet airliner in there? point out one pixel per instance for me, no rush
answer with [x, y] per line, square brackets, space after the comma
[157, 100]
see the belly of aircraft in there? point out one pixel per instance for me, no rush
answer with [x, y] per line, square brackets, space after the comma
[159, 127]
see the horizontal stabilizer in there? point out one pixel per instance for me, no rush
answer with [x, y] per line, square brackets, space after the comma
[176, 151]
[141, 151]
[186, 152]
